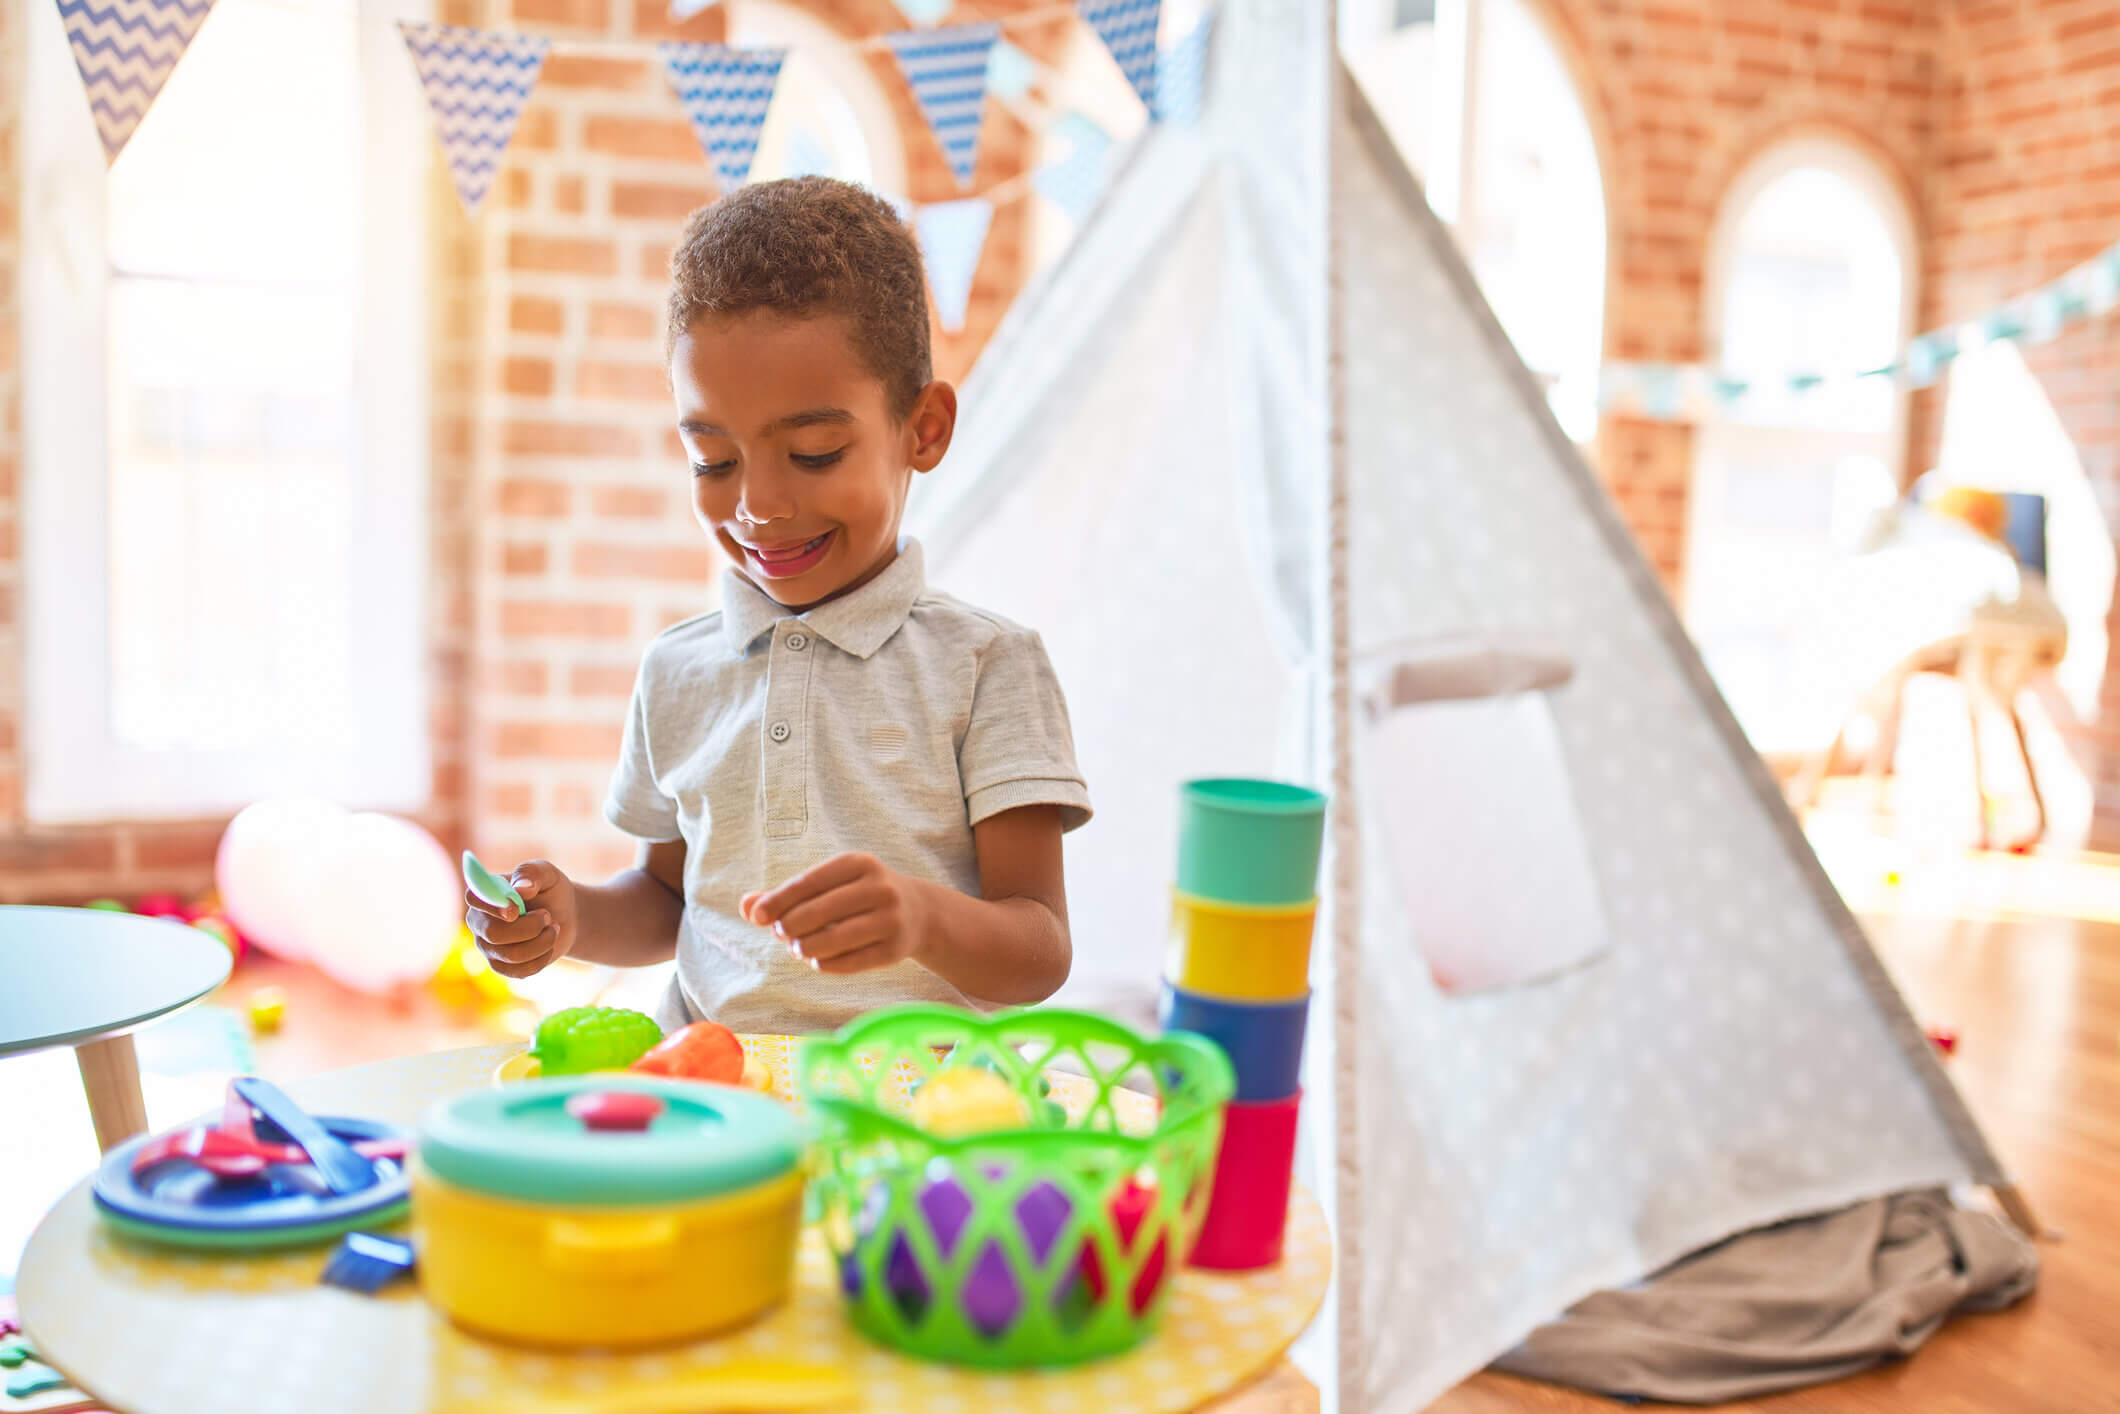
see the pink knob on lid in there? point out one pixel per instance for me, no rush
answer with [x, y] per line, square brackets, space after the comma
[617, 1110]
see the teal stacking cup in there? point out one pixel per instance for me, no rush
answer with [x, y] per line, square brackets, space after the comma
[1247, 841]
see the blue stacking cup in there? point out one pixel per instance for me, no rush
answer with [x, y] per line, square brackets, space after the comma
[1264, 1039]
[1251, 842]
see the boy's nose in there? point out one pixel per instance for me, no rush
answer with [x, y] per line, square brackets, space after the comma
[764, 498]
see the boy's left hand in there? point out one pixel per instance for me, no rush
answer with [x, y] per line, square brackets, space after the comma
[851, 913]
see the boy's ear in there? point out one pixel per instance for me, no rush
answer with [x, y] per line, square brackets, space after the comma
[933, 422]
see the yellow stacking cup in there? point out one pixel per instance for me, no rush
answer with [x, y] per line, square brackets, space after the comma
[1241, 951]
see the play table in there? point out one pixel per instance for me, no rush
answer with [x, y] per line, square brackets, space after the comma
[83, 977]
[153, 1331]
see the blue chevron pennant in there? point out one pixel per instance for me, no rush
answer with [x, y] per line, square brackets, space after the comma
[126, 50]
[476, 81]
[1128, 29]
[947, 69]
[1181, 75]
[952, 235]
[725, 92]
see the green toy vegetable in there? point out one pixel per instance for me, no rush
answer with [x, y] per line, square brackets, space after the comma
[585, 1038]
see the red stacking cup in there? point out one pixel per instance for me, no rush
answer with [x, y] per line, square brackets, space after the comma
[1247, 1210]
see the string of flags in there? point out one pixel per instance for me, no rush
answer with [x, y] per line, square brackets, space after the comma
[1666, 392]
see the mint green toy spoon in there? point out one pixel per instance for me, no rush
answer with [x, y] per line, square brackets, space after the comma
[488, 885]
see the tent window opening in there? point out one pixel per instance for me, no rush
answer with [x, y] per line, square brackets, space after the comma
[1479, 100]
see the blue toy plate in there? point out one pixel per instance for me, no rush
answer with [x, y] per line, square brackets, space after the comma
[180, 1203]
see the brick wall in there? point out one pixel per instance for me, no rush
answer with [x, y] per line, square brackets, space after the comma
[2026, 184]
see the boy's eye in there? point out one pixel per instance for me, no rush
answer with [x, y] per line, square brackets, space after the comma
[713, 468]
[820, 460]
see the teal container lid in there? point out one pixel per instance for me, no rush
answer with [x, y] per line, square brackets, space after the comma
[522, 1141]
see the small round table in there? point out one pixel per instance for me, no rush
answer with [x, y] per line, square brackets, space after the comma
[154, 1331]
[83, 977]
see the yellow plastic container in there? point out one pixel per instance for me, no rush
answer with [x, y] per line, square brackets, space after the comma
[543, 1274]
[1243, 952]
[607, 1209]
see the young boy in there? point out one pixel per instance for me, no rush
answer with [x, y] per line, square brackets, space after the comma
[850, 789]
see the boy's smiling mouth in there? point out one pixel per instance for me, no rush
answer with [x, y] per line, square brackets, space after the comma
[789, 559]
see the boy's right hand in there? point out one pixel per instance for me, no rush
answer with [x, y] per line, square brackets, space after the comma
[520, 944]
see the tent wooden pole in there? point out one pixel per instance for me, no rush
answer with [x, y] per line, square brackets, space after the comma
[2019, 1210]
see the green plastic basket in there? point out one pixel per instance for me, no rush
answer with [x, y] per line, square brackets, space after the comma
[1046, 1245]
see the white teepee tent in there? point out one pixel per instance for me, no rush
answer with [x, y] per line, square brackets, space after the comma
[1257, 425]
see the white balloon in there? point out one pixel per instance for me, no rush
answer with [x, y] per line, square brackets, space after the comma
[271, 870]
[393, 907]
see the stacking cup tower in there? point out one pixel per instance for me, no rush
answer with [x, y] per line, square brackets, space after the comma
[1238, 972]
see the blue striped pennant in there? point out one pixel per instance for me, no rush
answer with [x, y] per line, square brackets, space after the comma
[725, 93]
[476, 81]
[947, 69]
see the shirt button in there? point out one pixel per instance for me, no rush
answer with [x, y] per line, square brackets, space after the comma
[797, 642]
[778, 731]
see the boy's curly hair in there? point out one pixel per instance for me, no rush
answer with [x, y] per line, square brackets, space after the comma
[804, 247]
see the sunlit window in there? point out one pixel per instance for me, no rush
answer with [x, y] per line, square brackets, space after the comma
[1810, 274]
[829, 117]
[1479, 100]
[227, 424]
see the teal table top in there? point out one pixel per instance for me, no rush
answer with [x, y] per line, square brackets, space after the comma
[69, 975]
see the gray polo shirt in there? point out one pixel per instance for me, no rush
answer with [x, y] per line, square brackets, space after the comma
[890, 720]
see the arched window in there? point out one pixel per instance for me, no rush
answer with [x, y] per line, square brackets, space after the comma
[1481, 103]
[1810, 271]
[830, 116]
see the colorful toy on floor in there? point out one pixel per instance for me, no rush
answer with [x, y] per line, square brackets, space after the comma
[170, 1189]
[465, 980]
[704, 1050]
[277, 859]
[268, 1008]
[1236, 972]
[585, 1038]
[367, 1262]
[972, 1245]
[607, 1210]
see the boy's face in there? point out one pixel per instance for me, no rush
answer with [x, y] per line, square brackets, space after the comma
[798, 468]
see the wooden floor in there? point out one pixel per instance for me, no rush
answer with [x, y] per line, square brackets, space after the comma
[2036, 1003]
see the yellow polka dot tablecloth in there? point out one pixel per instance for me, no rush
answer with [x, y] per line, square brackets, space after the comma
[155, 1331]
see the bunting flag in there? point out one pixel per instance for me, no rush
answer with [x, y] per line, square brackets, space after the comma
[1075, 181]
[1128, 29]
[126, 50]
[947, 69]
[476, 81]
[725, 93]
[1181, 76]
[1009, 71]
[952, 234]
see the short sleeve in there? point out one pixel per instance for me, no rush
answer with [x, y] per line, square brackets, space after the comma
[1018, 748]
[636, 804]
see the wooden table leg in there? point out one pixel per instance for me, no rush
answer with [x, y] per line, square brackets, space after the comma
[110, 1073]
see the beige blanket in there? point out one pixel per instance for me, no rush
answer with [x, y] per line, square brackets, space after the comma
[1789, 1305]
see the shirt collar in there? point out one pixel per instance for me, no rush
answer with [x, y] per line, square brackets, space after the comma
[860, 622]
